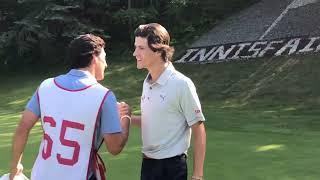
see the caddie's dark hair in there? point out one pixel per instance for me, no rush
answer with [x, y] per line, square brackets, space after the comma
[82, 49]
[158, 39]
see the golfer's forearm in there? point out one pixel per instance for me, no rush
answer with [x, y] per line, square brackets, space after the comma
[199, 151]
[136, 120]
[198, 161]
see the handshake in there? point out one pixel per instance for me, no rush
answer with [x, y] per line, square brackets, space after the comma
[124, 112]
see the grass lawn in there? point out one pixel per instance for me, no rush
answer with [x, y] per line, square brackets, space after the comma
[252, 134]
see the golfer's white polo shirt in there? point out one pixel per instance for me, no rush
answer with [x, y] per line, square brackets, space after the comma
[168, 108]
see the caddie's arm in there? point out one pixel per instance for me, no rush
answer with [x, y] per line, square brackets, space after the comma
[115, 142]
[199, 145]
[20, 138]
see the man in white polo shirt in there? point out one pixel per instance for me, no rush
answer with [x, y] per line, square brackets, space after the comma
[170, 109]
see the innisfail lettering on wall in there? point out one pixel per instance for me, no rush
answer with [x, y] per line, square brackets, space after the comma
[253, 49]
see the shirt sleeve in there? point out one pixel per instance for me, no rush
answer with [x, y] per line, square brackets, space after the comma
[190, 103]
[33, 104]
[110, 121]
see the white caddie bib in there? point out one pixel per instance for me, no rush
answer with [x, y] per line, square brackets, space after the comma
[68, 119]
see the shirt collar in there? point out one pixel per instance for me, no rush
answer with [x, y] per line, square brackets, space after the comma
[165, 75]
[81, 74]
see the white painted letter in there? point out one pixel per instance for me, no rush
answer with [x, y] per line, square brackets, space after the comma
[202, 54]
[308, 46]
[242, 46]
[222, 54]
[255, 50]
[269, 47]
[189, 52]
[292, 44]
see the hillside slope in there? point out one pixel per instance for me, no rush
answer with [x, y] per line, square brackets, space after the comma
[277, 81]
[280, 94]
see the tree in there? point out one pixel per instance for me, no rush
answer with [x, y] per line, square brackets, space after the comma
[43, 32]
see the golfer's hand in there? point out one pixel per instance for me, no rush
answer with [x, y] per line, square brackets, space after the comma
[16, 171]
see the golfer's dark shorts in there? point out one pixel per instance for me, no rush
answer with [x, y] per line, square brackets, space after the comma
[174, 168]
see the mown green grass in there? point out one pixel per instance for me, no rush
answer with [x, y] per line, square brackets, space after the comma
[262, 118]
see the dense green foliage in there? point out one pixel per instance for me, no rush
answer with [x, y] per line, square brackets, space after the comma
[36, 32]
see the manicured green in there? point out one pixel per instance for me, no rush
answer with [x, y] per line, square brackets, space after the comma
[262, 118]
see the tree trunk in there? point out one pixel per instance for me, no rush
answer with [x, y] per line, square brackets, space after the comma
[130, 28]
[129, 4]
